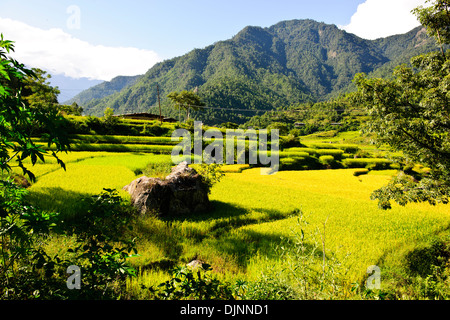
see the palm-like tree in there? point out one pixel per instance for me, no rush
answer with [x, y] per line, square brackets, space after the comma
[186, 100]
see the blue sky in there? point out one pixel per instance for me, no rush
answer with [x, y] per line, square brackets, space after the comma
[173, 27]
[89, 39]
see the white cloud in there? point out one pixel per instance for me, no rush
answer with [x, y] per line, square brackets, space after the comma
[60, 53]
[381, 18]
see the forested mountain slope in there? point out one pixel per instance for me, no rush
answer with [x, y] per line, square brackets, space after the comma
[103, 89]
[264, 69]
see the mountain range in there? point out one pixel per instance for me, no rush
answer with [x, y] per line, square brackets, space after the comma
[259, 69]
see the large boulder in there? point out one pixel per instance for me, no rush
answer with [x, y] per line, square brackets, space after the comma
[182, 192]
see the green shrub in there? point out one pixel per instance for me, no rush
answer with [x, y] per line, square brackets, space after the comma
[104, 246]
[329, 152]
[194, 283]
[299, 163]
[116, 139]
[282, 127]
[27, 271]
[289, 141]
[158, 170]
[369, 163]
[306, 272]
[270, 285]
[427, 271]
[211, 174]
[360, 172]
[348, 148]
[161, 149]
[347, 155]
[307, 150]
[337, 153]
[293, 154]
[326, 160]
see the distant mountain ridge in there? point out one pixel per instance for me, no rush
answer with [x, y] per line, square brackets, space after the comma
[261, 69]
[103, 89]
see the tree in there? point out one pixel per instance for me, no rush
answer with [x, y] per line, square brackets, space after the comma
[109, 115]
[281, 126]
[411, 114]
[18, 116]
[186, 100]
[27, 271]
[436, 19]
[109, 121]
[38, 92]
[22, 257]
[73, 109]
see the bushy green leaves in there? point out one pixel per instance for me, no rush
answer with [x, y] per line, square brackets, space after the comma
[186, 100]
[194, 283]
[436, 18]
[211, 173]
[22, 113]
[411, 114]
[23, 262]
[102, 248]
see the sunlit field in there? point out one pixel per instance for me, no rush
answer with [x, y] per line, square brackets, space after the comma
[254, 215]
[355, 230]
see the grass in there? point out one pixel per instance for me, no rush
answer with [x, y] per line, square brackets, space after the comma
[86, 173]
[61, 190]
[124, 139]
[365, 162]
[355, 225]
[114, 147]
[254, 215]
[320, 152]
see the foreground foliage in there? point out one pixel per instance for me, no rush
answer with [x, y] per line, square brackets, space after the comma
[23, 109]
[29, 271]
[411, 113]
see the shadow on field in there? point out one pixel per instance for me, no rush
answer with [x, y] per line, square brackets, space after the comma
[225, 217]
[427, 259]
[233, 213]
[219, 210]
[67, 203]
[246, 244]
[218, 230]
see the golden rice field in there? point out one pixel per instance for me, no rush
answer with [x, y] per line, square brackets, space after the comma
[356, 231]
[253, 213]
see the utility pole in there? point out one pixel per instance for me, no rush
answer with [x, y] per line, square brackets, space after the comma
[159, 103]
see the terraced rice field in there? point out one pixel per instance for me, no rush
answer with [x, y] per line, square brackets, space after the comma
[254, 216]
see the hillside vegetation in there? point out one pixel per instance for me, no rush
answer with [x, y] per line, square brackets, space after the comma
[262, 69]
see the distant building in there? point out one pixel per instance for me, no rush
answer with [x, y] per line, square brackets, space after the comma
[139, 116]
[144, 116]
[299, 124]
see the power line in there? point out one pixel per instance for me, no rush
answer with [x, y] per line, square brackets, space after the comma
[278, 111]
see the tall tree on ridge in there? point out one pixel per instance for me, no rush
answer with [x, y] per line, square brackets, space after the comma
[411, 114]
